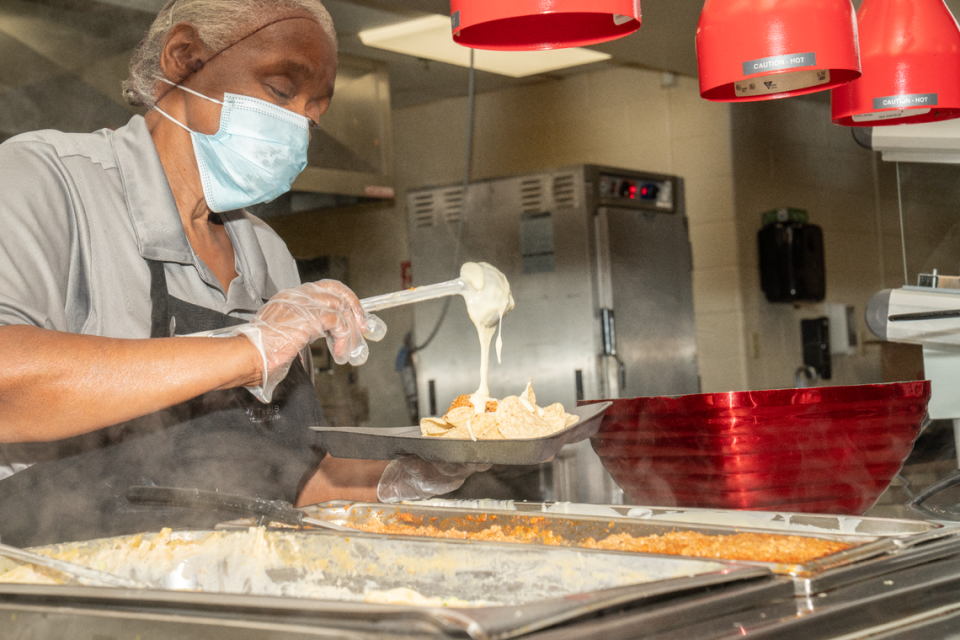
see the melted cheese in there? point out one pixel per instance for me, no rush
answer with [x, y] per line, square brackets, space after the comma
[488, 298]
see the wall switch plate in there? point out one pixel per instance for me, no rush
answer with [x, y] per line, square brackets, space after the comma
[816, 345]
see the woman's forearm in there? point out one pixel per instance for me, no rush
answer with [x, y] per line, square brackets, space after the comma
[55, 385]
[342, 479]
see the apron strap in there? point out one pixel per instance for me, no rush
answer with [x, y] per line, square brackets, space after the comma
[160, 311]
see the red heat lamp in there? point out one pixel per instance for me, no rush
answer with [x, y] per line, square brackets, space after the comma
[530, 25]
[911, 66]
[750, 50]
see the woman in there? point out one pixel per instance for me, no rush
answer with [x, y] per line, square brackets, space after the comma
[115, 241]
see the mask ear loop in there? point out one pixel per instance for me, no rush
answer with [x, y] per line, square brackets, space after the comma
[196, 93]
[172, 119]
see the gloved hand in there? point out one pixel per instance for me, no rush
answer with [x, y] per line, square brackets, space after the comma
[413, 478]
[296, 317]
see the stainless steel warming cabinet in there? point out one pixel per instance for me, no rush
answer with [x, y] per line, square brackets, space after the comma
[600, 265]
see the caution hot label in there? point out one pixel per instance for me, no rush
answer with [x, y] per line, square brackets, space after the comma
[905, 101]
[777, 63]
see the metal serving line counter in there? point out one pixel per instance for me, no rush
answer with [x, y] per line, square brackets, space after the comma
[899, 579]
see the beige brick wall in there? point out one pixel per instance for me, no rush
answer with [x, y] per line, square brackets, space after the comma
[788, 154]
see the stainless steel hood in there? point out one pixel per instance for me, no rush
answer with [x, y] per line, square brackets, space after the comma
[352, 155]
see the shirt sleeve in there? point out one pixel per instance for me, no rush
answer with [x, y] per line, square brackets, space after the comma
[36, 236]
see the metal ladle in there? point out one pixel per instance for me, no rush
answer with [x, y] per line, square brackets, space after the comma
[269, 510]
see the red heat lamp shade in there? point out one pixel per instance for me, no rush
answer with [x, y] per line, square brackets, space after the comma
[911, 66]
[751, 50]
[529, 25]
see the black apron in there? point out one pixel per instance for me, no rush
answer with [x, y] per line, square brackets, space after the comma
[224, 441]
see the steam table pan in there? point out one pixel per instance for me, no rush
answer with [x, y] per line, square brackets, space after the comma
[879, 545]
[915, 541]
[768, 521]
[523, 588]
[373, 443]
[576, 529]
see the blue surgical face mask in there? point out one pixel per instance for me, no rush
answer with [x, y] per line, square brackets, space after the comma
[256, 155]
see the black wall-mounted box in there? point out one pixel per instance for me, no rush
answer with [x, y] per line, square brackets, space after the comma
[792, 262]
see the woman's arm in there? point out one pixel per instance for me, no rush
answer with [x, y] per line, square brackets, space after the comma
[342, 479]
[55, 385]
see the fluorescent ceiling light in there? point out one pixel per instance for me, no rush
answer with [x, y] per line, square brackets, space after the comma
[430, 37]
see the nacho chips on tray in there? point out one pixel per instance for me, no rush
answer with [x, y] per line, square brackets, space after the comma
[513, 418]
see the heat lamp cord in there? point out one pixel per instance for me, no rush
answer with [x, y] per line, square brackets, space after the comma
[471, 100]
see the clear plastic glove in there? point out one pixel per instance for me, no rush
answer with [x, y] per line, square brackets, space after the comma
[296, 317]
[413, 478]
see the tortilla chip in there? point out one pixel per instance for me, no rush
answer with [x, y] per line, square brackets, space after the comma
[458, 433]
[528, 393]
[517, 422]
[485, 426]
[459, 416]
[434, 427]
[557, 418]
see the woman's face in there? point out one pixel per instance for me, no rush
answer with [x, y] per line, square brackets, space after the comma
[291, 63]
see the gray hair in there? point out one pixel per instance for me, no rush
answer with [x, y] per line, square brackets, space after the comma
[219, 23]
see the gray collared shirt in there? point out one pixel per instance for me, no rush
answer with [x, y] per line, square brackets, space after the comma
[79, 213]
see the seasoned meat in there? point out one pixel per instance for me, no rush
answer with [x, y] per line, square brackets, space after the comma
[464, 401]
[757, 547]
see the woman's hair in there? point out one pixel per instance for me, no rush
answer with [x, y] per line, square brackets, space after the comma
[219, 23]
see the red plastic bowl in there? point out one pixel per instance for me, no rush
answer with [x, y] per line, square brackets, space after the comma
[822, 450]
